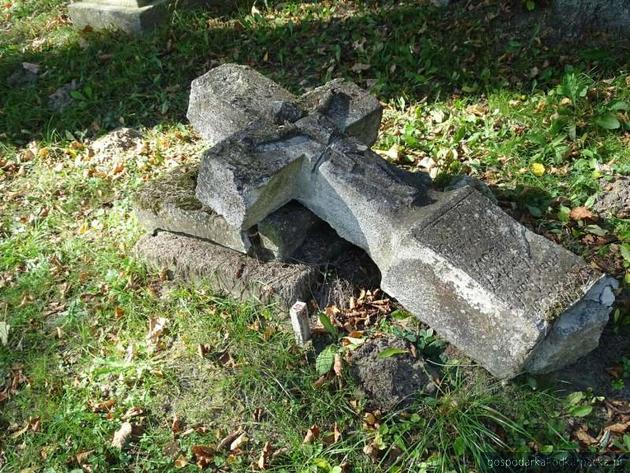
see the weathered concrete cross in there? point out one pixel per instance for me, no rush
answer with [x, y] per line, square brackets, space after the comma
[509, 298]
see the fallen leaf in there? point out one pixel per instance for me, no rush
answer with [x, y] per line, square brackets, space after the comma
[121, 437]
[203, 455]
[19, 432]
[176, 425]
[132, 412]
[581, 213]
[617, 428]
[103, 406]
[238, 441]
[585, 438]
[372, 451]
[393, 153]
[334, 436]
[203, 349]
[370, 419]
[181, 462]
[156, 329]
[229, 439]
[265, 456]
[360, 67]
[311, 434]
[81, 457]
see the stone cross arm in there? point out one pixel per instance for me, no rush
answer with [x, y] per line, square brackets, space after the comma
[507, 297]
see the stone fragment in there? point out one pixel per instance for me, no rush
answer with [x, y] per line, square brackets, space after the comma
[615, 199]
[115, 142]
[129, 16]
[285, 230]
[300, 322]
[24, 75]
[390, 382]
[230, 98]
[227, 271]
[354, 111]
[485, 282]
[61, 99]
[169, 203]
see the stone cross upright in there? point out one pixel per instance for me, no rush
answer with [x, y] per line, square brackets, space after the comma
[508, 298]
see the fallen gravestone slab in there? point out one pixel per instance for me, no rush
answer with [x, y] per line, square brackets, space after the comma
[389, 375]
[169, 203]
[227, 271]
[507, 297]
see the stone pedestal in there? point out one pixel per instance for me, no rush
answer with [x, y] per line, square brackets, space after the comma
[130, 16]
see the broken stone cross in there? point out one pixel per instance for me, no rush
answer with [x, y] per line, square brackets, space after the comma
[510, 299]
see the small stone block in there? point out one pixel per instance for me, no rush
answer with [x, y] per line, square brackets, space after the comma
[300, 322]
[118, 15]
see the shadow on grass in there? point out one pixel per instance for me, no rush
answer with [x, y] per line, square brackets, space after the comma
[399, 50]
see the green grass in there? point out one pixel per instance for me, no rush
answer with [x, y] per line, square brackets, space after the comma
[471, 90]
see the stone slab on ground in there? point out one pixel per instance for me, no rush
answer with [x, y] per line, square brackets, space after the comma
[169, 203]
[123, 15]
[390, 382]
[227, 271]
[507, 297]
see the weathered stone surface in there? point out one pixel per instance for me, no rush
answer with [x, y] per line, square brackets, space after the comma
[61, 98]
[285, 230]
[615, 199]
[355, 112]
[116, 141]
[505, 296]
[486, 283]
[24, 75]
[227, 271]
[300, 322]
[468, 181]
[130, 16]
[576, 17]
[390, 382]
[231, 98]
[169, 203]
